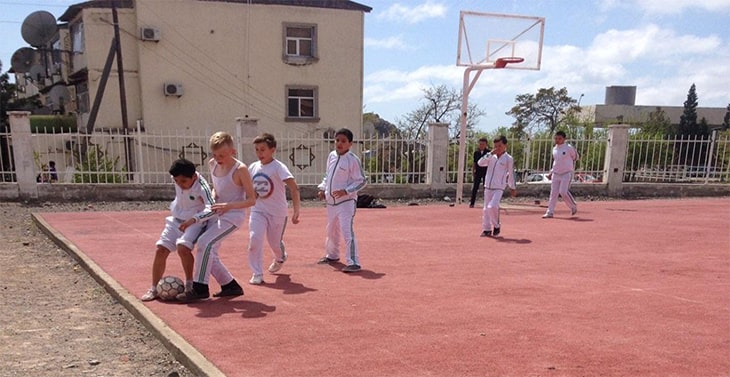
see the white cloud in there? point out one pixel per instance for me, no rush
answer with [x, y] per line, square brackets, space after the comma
[668, 6]
[649, 42]
[402, 13]
[395, 43]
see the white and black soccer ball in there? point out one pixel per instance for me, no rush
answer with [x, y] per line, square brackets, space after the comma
[169, 287]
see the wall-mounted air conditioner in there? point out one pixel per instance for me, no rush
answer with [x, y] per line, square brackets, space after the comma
[173, 89]
[149, 34]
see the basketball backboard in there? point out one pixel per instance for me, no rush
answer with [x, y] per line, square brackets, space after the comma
[485, 38]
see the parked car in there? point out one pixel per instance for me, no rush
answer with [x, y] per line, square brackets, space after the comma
[585, 178]
[535, 178]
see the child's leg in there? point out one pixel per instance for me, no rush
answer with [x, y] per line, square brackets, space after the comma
[332, 243]
[554, 192]
[493, 208]
[256, 232]
[165, 245]
[159, 264]
[486, 212]
[346, 225]
[275, 236]
[207, 254]
[185, 250]
[565, 181]
[187, 261]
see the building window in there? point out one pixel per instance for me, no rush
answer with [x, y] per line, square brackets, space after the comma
[301, 104]
[77, 37]
[300, 44]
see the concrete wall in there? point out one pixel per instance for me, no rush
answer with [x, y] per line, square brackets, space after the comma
[228, 57]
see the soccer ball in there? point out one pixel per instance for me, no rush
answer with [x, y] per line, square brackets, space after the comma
[169, 287]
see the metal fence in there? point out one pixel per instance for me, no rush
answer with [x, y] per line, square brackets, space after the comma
[691, 159]
[108, 157]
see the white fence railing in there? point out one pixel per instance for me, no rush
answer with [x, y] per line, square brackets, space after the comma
[106, 156]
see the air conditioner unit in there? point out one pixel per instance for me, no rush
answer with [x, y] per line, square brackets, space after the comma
[149, 34]
[173, 89]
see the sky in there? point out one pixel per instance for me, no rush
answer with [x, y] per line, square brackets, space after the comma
[660, 46]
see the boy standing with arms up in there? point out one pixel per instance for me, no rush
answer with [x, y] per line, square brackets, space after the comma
[561, 175]
[500, 174]
[233, 192]
[339, 187]
[269, 214]
[192, 204]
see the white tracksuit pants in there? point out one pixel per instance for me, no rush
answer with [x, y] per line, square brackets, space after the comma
[340, 220]
[271, 228]
[207, 262]
[490, 212]
[560, 185]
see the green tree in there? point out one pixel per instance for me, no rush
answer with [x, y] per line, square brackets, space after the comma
[692, 150]
[726, 119]
[658, 124]
[548, 109]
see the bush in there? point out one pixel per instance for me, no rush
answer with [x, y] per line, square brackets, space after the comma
[41, 124]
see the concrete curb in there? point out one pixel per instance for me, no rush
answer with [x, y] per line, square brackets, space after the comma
[185, 353]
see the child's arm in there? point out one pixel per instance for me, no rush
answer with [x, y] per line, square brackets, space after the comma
[295, 198]
[242, 178]
[357, 177]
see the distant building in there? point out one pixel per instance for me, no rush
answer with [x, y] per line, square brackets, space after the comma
[620, 108]
[293, 65]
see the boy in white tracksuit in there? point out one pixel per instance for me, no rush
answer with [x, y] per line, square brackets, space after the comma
[339, 187]
[561, 175]
[500, 174]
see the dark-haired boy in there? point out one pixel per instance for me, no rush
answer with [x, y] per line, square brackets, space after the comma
[192, 203]
[339, 187]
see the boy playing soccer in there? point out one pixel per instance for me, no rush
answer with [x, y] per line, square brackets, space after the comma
[339, 187]
[269, 214]
[233, 192]
[192, 203]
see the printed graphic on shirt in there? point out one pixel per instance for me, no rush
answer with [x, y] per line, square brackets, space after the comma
[263, 185]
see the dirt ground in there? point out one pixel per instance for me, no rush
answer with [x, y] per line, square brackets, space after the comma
[56, 320]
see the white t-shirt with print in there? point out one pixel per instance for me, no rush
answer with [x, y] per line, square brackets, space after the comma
[268, 182]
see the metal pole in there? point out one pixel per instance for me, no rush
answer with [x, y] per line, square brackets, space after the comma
[122, 91]
[468, 86]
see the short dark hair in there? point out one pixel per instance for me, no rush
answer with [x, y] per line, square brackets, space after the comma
[346, 132]
[560, 133]
[484, 139]
[267, 138]
[501, 139]
[182, 167]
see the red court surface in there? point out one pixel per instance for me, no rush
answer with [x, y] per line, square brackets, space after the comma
[626, 288]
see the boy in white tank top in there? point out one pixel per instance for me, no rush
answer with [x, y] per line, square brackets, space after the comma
[233, 192]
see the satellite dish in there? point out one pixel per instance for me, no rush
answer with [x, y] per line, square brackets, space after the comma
[39, 28]
[23, 59]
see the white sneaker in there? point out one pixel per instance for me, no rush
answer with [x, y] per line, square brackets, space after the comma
[257, 279]
[150, 295]
[275, 266]
[547, 216]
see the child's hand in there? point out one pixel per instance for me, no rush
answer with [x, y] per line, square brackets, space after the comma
[338, 193]
[320, 195]
[220, 208]
[295, 217]
[186, 224]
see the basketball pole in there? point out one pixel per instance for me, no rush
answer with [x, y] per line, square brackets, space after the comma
[468, 86]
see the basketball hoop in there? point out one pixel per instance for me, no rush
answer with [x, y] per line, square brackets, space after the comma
[502, 62]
